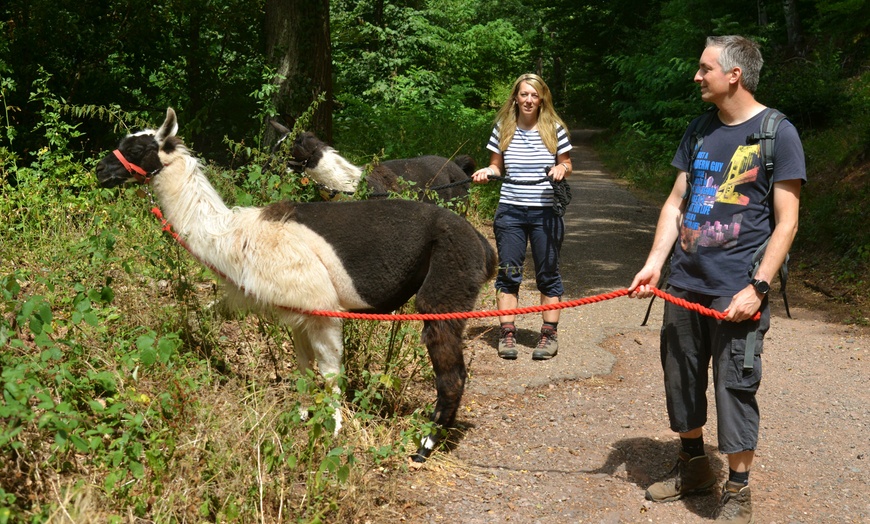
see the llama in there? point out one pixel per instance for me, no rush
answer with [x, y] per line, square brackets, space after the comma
[361, 256]
[449, 180]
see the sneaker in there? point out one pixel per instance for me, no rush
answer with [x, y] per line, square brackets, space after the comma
[507, 344]
[688, 477]
[547, 346]
[736, 504]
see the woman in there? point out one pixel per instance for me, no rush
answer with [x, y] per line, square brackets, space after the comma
[528, 141]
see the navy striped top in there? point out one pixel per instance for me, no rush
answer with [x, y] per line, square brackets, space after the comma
[528, 158]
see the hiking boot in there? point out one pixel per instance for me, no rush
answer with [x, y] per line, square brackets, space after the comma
[736, 504]
[547, 346]
[507, 344]
[689, 476]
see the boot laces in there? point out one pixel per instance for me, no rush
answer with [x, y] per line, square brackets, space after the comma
[546, 337]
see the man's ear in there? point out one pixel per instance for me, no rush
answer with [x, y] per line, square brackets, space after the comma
[734, 77]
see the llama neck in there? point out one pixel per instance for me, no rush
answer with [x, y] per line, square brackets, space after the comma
[335, 172]
[190, 203]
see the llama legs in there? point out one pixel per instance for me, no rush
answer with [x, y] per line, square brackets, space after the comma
[443, 339]
[320, 339]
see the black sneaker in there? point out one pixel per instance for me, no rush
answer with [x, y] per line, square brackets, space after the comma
[507, 344]
[547, 346]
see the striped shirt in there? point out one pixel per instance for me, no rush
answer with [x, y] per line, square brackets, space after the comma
[527, 158]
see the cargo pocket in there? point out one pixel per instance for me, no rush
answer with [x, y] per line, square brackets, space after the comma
[741, 378]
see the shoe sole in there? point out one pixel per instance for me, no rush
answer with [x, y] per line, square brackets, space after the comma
[508, 356]
[543, 357]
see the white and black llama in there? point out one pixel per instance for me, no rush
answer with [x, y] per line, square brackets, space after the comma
[429, 174]
[362, 256]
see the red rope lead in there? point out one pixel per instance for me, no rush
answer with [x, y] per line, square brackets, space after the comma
[518, 311]
[389, 317]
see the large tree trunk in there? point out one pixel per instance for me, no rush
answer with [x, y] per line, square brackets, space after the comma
[792, 26]
[762, 13]
[298, 46]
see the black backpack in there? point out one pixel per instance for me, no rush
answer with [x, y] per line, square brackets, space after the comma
[766, 136]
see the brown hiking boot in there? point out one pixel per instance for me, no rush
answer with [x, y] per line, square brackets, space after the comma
[547, 346]
[736, 505]
[689, 476]
[507, 344]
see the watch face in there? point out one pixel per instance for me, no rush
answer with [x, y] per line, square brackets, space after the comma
[761, 286]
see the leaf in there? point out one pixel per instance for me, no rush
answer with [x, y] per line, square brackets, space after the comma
[165, 348]
[137, 469]
[80, 443]
[343, 473]
[148, 356]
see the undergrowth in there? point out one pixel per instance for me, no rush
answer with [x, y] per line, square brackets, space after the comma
[129, 391]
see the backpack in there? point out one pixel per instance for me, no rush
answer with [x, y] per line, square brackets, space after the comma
[766, 136]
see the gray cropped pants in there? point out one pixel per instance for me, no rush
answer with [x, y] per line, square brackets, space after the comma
[690, 341]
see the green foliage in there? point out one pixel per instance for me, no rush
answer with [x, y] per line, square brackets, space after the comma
[425, 54]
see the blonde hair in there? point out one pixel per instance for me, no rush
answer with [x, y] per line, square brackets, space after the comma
[548, 119]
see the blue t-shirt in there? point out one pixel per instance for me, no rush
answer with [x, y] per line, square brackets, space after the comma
[728, 217]
[527, 158]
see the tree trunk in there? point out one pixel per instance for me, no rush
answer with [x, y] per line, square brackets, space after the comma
[298, 46]
[762, 13]
[792, 26]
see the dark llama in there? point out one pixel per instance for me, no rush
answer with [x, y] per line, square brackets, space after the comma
[425, 176]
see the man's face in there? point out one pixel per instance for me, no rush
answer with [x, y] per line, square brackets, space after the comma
[714, 82]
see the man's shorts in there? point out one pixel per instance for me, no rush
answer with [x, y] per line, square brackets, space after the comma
[689, 342]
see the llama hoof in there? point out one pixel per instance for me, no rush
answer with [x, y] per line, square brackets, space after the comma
[427, 446]
[421, 455]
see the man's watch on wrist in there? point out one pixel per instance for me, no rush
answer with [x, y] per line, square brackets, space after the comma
[761, 286]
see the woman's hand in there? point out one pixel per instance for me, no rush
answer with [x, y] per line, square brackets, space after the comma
[559, 171]
[481, 176]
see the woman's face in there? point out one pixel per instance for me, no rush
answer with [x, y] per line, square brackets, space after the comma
[528, 101]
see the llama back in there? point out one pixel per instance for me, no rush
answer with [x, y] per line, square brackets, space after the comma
[411, 236]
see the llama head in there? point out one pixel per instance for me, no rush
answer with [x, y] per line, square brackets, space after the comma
[137, 155]
[308, 150]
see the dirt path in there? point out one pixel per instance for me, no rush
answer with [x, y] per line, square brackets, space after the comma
[579, 438]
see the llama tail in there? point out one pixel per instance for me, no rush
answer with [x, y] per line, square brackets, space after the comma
[466, 163]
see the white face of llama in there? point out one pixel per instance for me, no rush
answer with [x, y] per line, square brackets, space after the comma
[136, 157]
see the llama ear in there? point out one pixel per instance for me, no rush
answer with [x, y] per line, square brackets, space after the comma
[169, 127]
[280, 128]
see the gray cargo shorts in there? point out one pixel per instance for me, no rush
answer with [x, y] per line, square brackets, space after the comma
[689, 342]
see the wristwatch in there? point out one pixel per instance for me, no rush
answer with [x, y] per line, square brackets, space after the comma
[760, 285]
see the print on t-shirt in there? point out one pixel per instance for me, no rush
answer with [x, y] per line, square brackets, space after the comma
[742, 169]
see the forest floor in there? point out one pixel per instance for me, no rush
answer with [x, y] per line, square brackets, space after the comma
[579, 438]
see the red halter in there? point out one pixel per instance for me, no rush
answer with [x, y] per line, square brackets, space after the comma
[138, 173]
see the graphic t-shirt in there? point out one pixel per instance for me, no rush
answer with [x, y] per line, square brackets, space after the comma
[728, 216]
[527, 158]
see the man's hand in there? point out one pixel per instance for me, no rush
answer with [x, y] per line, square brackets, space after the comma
[743, 305]
[644, 281]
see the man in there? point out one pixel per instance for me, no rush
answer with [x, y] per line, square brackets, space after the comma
[720, 211]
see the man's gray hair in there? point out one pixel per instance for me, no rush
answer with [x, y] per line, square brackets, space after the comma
[739, 51]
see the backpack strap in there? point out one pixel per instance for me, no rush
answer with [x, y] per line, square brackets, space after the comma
[766, 138]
